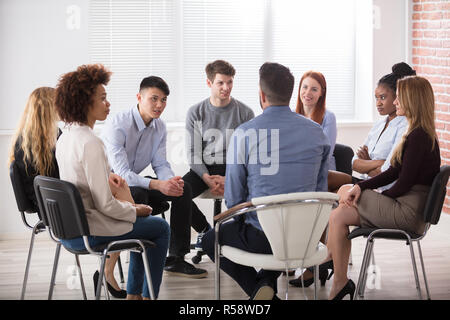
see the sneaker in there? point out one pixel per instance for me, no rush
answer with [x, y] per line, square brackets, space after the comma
[183, 269]
[198, 244]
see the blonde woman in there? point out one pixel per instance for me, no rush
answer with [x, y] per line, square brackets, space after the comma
[33, 147]
[33, 144]
[414, 164]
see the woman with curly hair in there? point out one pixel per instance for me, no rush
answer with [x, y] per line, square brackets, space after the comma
[33, 144]
[80, 102]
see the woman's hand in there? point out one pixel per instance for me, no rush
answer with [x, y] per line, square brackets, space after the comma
[116, 181]
[351, 197]
[363, 153]
[143, 210]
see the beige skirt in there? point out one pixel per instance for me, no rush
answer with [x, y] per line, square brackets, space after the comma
[405, 212]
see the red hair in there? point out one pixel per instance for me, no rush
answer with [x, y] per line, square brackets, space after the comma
[319, 110]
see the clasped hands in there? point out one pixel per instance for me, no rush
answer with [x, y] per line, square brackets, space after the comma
[216, 183]
[121, 192]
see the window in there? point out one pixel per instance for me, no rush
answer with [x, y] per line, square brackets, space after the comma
[175, 39]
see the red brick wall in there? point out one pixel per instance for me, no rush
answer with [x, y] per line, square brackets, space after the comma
[431, 59]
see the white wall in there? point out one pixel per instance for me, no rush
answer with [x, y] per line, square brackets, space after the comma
[37, 47]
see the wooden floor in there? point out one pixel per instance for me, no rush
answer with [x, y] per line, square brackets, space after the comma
[394, 276]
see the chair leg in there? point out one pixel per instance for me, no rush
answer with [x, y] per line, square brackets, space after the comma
[217, 261]
[147, 274]
[364, 265]
[83, 289]
[119, 264]
[316, 280]
[101, 276]
[423, 270]
[27, 266]
[416, 275]
[55, 268]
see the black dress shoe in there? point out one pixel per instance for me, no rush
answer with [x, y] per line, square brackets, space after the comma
[120, 294]
[181, 268]
[349, 288]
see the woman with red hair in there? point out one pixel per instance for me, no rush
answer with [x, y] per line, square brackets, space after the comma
[312, 93]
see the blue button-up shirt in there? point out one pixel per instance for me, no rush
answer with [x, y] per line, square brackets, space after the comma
[277, 152]
[132, 146]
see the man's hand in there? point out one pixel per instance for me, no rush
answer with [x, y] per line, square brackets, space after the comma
[216, 183]
[363, 153]
[172, 187]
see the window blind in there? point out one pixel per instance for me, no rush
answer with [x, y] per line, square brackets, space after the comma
[175, 39]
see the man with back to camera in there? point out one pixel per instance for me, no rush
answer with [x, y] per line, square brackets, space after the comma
[136, 138]
[209, 124]
[298, 162]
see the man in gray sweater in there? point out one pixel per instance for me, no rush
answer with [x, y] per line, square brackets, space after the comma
[209, 125]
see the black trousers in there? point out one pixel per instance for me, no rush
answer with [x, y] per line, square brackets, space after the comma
[243, 236]
[180, 215]
[198, 186]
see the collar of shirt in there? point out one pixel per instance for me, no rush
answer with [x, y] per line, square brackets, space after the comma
[139, 121]
[272, 109]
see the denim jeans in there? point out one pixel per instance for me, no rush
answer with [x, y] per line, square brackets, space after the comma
[149, 228]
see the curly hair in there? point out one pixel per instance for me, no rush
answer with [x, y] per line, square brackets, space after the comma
[75, 90]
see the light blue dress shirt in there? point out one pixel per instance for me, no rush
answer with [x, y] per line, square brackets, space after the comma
[277, 152]
[381, 146]
[132, 146]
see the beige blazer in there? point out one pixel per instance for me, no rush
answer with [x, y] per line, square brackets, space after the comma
[82, 161]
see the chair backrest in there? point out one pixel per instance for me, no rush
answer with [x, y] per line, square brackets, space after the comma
[343, 155]
[23, 203]
[436, 197]
[293, 223]
[61, 206]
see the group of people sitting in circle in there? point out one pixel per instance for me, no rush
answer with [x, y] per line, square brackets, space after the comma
[397, 163]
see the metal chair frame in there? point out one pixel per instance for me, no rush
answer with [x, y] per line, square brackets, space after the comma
[220, 221]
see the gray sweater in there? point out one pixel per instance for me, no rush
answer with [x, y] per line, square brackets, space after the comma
[208, 130]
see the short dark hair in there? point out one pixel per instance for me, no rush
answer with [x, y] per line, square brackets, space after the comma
[154, 82]
[277, 83]
[219, 66]
[75, 90]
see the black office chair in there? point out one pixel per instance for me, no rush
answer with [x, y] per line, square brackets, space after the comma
[343, 155]
[64, 215]
[26, 209]
[431, 215]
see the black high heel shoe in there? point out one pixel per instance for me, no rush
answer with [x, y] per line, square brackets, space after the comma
[323, 275]
[349, 288]
[120, 294]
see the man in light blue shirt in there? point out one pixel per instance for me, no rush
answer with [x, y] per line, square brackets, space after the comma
[135, 139]
[277, 152]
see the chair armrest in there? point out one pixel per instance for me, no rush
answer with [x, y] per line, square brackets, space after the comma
[230, 212]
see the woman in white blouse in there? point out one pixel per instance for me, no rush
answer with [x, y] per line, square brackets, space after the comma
[80, 102]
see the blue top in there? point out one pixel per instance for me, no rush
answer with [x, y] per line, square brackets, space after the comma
[297, 160]
[131, 146]
[330, 129]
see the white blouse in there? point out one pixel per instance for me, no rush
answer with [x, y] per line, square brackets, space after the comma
[381, 146]
[82, 161]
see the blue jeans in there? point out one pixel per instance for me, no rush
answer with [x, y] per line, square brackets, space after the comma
[149, 228]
